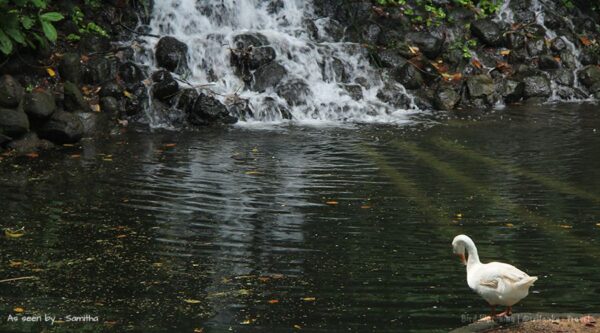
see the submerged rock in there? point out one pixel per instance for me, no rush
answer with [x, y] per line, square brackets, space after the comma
[62, 127]
[11, 92]
[171, 54]
[130, 72]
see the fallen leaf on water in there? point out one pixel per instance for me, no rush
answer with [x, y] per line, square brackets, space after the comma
[297, 327]
[246, 322]
[19, 309]
[121, 236]
[170, 145]
[452, 77]
[191, 301]
[15, 263]
[198, 330]
[566, 226]
[331, 202]
[273, 301]
[75, 156]
[127, 94]
[51, 72]
[365, 206]
[598, 224]
[11, 233]
[252, 172]
[309, 299]
[32, 155]
[505, 52]
[68, 145]
[510, 225]
[263, 278]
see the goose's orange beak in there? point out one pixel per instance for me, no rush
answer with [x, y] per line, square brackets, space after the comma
[462, 258]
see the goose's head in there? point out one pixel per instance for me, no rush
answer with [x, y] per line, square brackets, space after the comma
[459, 245]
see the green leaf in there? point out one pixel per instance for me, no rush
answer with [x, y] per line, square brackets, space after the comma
[6, 45]
[51, 16]
[27, 22]
[39, 3]
[16, 35]
[49, 30]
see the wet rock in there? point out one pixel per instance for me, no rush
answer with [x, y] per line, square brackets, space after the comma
[518, 56]
[516, 41]
[536, 47]
[371, 34]
[13, 122]
[73, 98]
[548, 62]
[186, 99]
[268, 76]
[39, 104]
[335, 70]
[98, 70]
[522, 10]
[488, 31]
[588, 57]
[62, 127]
[564, 77]
[110, 105]
[275, 111]
[28, 143]
[138, 100]
[130, 72]
[537, 86]
[92, 43]
[261, 56]
[445, 98]
[354, 90]
[208, 110]
[11, 92]
[512, 91]
[111, 89]
[430, 45]
[4, 139]
[568, 59]
[393, 96]
[69, 67]
[241, 110]
[328, 30]
[295, 92]
[275, 6]
[409, 76]
[171, 54]
[165, 86]
[246, 40]
[480, 86]
[589, 75]
[558, 44]
[390, 58]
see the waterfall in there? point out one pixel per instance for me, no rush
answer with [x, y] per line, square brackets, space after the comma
[326, 78]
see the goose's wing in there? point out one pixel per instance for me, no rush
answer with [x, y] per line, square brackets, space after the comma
[490, 275]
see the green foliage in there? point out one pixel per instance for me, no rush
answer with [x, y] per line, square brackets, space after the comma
[78, 17]
[465, 47]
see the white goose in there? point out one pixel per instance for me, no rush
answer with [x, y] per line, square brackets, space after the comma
[496, 282]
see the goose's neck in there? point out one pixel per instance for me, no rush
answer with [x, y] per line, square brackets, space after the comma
[473, 258]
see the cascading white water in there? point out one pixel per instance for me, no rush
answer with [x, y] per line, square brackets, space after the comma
[209, 29]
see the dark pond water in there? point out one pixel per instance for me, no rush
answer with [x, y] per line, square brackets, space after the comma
[308, 229]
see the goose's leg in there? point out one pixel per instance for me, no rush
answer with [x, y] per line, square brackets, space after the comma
[506, 313]
[493, 311]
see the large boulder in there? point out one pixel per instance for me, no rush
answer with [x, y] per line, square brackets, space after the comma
[537, 86]
[480, 86]
[39, 104]
[589, 75]
[430, 45]
[62, 127]
[69, 67]
[11, 92]
[13, 123]
[74, 98]
[164, 86]
[267, 76]
[488, 31]
[445, 98]
[208, 110]
[409, 76]
[171, 54]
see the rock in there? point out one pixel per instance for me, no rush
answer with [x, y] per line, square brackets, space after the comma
[186, 99]
[267, 76]
[588, 57]
[537, 86]
[275, 6]
[4, 139]
[28, 143]
[130, 72]
[208, 110]
[241, 110]
[138, 100]
[512, 91]
[111, 89]
[165, 86]
[69, 67]
[246, 40]
[73, 98]
[547, 62]
[516, 41]
[171, 54]
[63, 127]
[354, 90]
[11, 92]
[430, 45]
[295, 92]
[260, 56]
[393, 96]
[589, 75]
[274, 110]
[390, 58]
[558, 44]
[536, 47]
[328, 30]
[522, 11]
[371, 35]
[93, 43]
[564, 77]
[98, 70]
[409, 76]
[568, 59]
[480, 86]
[13, 123]
[488, 31]
[110, 105]
[445, 98]
[335, 70]
[39, 104]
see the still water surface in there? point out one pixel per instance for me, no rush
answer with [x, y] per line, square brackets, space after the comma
[295, 228]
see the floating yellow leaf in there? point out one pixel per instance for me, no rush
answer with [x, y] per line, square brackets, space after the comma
[598, 224]
[255, 150]
[505, 52]
[246, 322]
[252, 172]
[191, 301]
[331, 202]
[19, 309]
[10, 233]
[510, 225]
[32, 155]
[198, 330]
[297, 327]
[15, 263]
[566, 226]
[273, 301]
[95, 107]
[51, 72]
[127, 94]
[365, 206]
[459, 215]
[75, 156]
[170, 145]
[309, 299]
